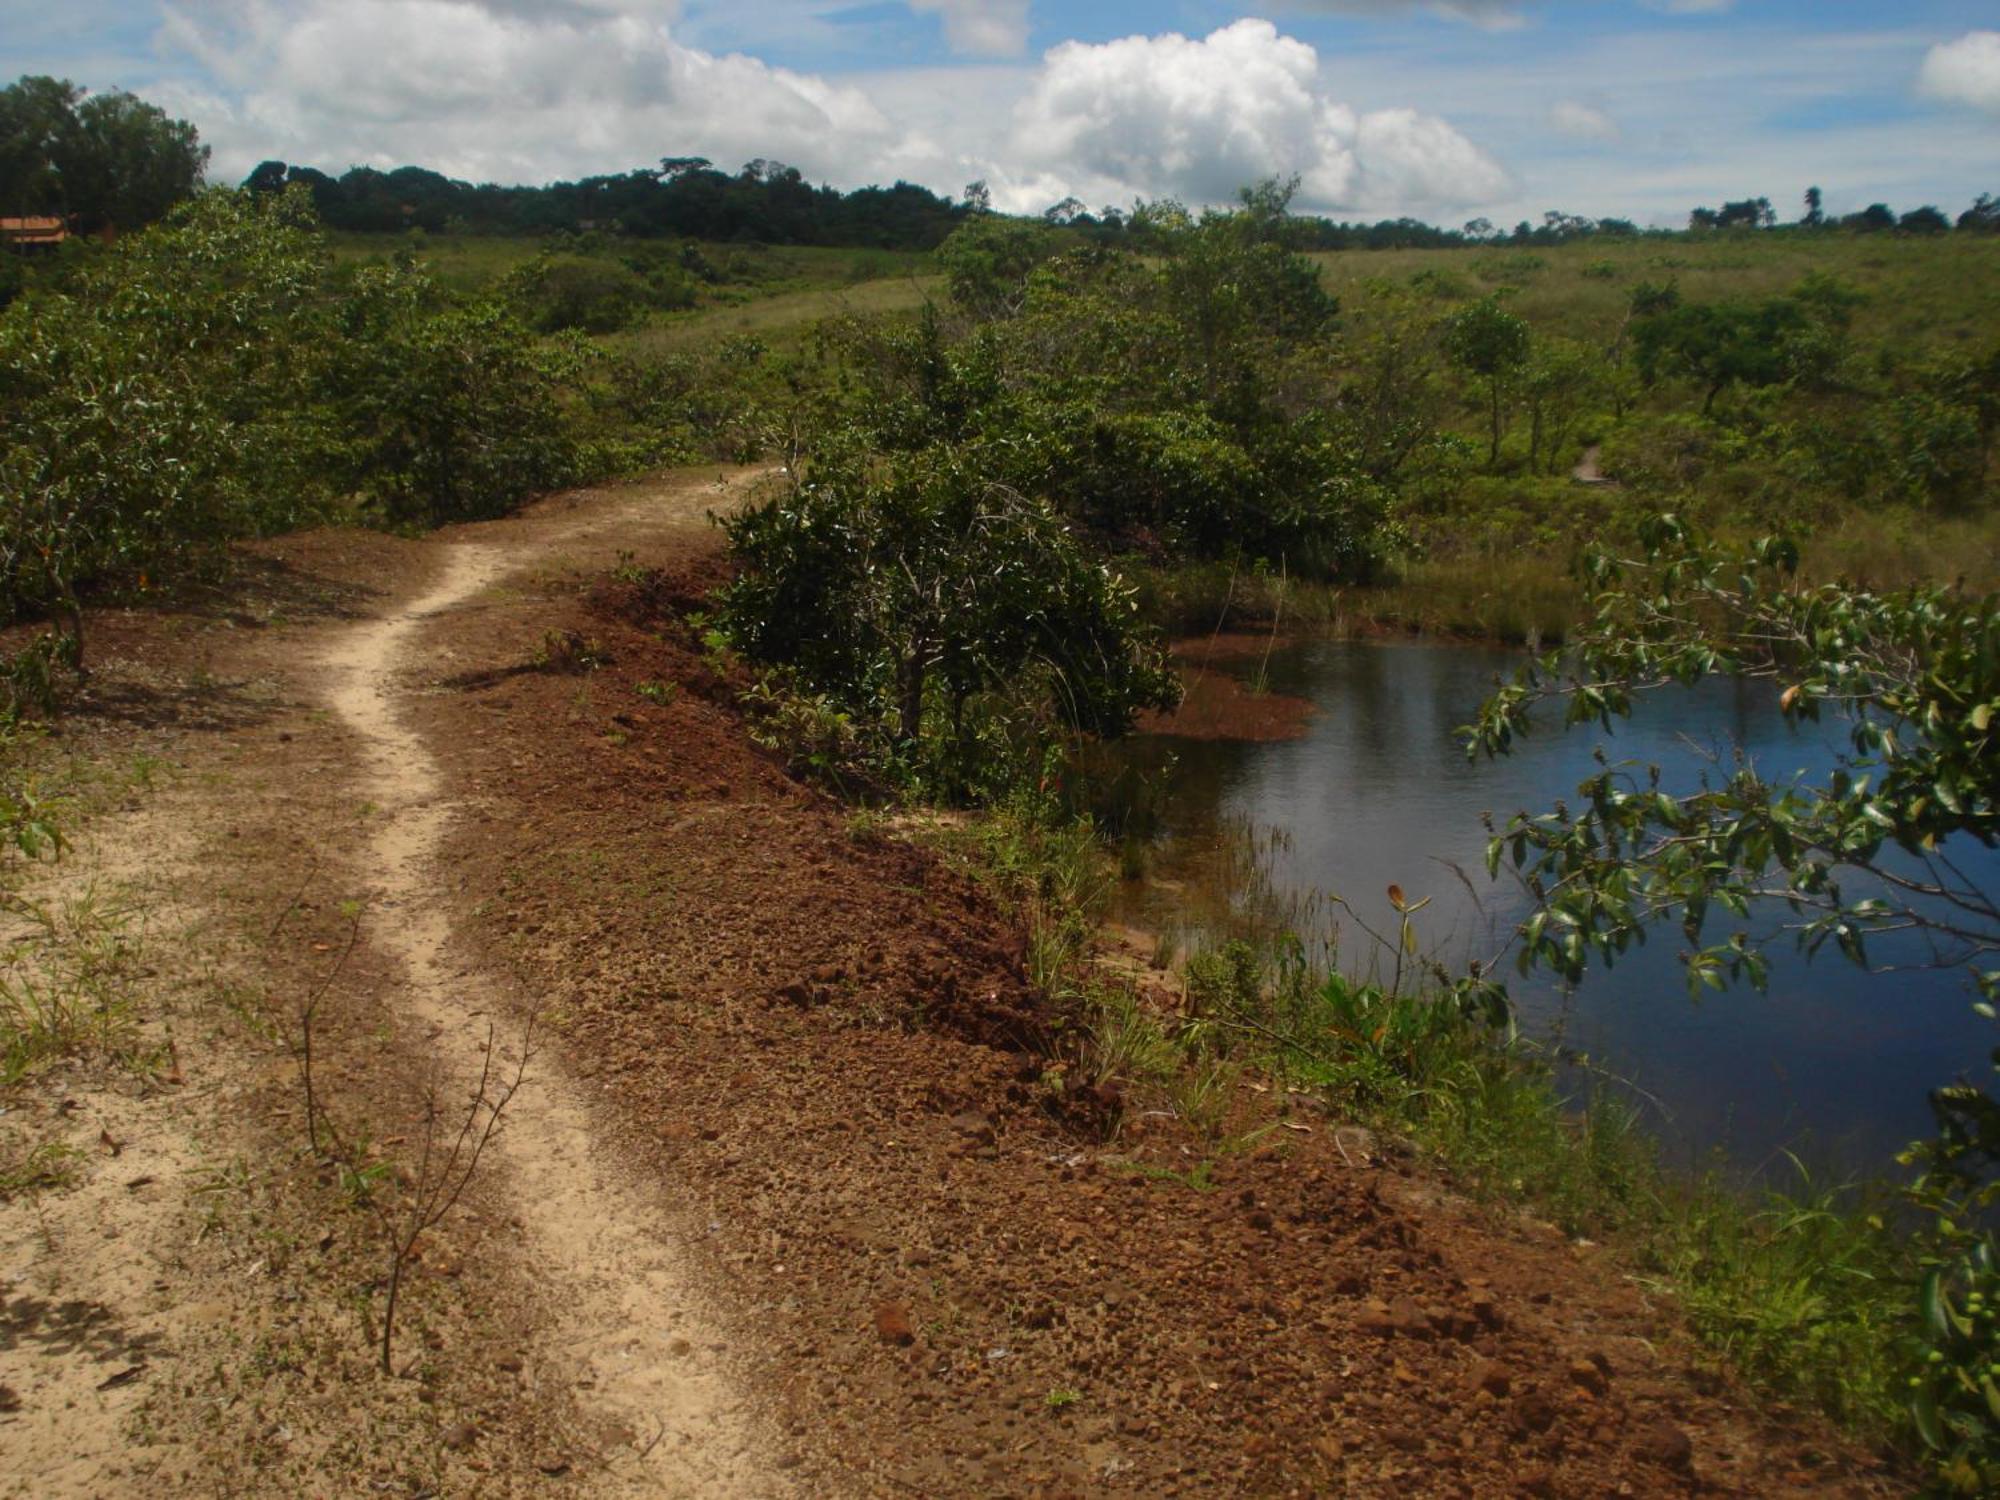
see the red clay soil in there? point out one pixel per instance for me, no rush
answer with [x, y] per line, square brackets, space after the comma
[948, 1276]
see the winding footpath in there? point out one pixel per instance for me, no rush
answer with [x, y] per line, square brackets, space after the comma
[632, 1332]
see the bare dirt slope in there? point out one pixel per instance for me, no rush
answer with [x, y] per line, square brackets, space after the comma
[790, 1201]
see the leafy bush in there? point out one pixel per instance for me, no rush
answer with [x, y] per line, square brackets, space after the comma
[449, 412]
[163, 405]
[918, 595]
[597, 296]
[212, 378]
[1858, 854]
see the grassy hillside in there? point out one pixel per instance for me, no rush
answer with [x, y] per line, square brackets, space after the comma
[1489, 543]
[1943, 288]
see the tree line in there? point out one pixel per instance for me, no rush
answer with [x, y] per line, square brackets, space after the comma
[111, 159]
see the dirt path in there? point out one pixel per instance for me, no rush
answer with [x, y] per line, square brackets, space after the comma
[633, 1329]
[1587, 470]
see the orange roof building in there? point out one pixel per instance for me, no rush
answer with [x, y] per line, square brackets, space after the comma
[33, 232]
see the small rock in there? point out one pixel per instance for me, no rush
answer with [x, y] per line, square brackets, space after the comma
[1534, 1412]
[511, 1363]
[460, 1436]
[1588, 1376]
[553, 1464]
[1376, 1318]
[1411, 1321]
[1489, 1377]
[1661, 1442]
[1535, 1482]
[1486, 1309]
[892, 1324]
[1260, 1220]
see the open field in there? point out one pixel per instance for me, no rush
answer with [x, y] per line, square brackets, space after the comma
[1943, 289]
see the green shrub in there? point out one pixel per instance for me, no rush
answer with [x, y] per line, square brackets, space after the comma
[449, 412]
[598, 296]
[163, 404]
[950, 612]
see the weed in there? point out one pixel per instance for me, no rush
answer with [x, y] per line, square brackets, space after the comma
[569, 654]
[655, 691]
[1202, 1093]
[47, 1167]
[1125, 1041]
[1061, 1396]
[67, 987]
[1199, 1178]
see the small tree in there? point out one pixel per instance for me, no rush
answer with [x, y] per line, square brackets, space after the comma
[449, 412]
[1720, 344]
[988, 259]
[1560, 381]
[906, 590]
[1487, 341]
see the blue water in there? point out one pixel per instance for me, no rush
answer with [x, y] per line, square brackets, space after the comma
[1829, 1062]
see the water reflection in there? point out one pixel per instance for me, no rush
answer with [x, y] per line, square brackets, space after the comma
[1829, 1062]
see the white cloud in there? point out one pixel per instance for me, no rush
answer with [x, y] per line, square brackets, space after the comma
[1583, 122]
[532, 90]
[1966, 71]
[508, 91]
[1149, 116]
[991, 28]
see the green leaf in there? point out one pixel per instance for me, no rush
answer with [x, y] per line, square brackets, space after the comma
[1924, 1412]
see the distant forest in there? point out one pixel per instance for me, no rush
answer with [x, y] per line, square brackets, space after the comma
[111, 160]
[771, 203]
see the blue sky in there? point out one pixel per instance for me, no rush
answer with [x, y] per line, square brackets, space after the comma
[1445, 109]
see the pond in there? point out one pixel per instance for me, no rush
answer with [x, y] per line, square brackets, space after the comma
[1830, 1063]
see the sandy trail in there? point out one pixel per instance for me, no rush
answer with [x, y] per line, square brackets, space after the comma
[632, 1334]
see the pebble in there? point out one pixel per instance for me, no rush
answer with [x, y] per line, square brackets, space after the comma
[892, 1324]
[1663, 1443]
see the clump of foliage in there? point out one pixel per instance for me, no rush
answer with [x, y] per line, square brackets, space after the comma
[1869, 852]
[564, 294]
[447, 411]
[1173, 402]
[212, 378]
[955, 617]
[159, 407]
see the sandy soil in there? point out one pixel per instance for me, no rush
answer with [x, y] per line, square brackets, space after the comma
[795, 1197]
